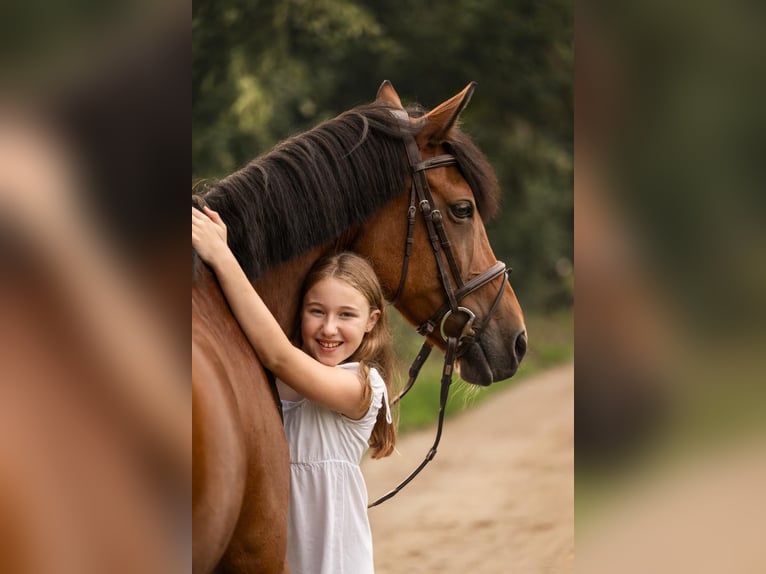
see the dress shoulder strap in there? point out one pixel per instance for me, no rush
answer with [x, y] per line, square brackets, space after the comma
[382, 383]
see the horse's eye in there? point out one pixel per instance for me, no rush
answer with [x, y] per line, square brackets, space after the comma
[462, 210]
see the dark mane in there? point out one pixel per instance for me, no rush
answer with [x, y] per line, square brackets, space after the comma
[311, 188]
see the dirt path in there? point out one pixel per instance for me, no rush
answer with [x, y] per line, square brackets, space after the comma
[497, 498]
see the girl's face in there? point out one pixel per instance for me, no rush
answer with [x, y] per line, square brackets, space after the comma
[334, 320]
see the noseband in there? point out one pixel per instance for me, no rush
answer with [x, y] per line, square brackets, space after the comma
[422, 200]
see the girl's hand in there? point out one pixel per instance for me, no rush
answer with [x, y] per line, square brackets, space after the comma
[209, 235]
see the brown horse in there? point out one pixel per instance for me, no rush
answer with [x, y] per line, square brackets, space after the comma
[340, 186]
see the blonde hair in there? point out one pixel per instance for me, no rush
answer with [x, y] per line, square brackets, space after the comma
[376, 349]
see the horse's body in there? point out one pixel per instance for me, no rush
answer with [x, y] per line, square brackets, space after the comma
[341, 186]
[237, 432]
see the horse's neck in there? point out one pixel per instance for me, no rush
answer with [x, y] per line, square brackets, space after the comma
[280, 287]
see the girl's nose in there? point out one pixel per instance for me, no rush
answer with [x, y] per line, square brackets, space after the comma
[329, 326]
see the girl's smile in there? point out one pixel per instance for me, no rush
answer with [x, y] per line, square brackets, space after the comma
[329, 344]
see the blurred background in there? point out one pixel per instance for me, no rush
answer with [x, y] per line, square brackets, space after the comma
[670, 252]
[95, 453]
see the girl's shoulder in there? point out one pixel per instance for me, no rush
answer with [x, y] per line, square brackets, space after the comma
[379, 395]
[349, 366]
[376, 380]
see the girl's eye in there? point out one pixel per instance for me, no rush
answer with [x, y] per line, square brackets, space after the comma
[462, 209]
[316, 312]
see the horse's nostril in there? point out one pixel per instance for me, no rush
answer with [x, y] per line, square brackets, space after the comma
[521, 345]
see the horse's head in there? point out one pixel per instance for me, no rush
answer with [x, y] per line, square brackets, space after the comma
[451, 284]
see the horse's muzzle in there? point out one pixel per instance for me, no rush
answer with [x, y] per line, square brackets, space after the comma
[483, 362]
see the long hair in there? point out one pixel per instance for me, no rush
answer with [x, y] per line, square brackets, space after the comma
[376, 349]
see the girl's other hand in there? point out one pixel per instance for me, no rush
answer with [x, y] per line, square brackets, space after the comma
[209, 235]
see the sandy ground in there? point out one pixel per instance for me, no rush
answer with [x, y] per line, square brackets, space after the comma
[498, 497]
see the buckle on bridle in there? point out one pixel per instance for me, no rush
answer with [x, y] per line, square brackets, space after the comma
[467, 328]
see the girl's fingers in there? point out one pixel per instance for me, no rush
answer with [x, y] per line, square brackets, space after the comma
[199, 218]
[208, 231]
[204, 213]
[198, 215]
[213, 215]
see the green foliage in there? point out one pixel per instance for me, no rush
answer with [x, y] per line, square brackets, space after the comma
[265, 70]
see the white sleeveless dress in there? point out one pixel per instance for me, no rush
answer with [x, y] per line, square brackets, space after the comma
[328, 527]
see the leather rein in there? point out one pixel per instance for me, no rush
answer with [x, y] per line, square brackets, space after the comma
[455, 289]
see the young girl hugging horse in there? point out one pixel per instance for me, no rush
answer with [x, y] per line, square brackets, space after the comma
[334, 395]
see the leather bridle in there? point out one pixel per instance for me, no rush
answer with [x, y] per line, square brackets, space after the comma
[422, 200]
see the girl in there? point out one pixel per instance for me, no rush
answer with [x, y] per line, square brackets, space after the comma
[333, 393]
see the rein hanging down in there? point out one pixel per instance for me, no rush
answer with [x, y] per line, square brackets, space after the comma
[420, 197]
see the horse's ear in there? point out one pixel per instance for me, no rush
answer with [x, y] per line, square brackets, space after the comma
[387, 95]
[442, 118]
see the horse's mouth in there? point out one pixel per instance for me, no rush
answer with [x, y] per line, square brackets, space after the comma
[480, 367]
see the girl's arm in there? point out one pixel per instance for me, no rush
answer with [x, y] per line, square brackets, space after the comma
[338, 389]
